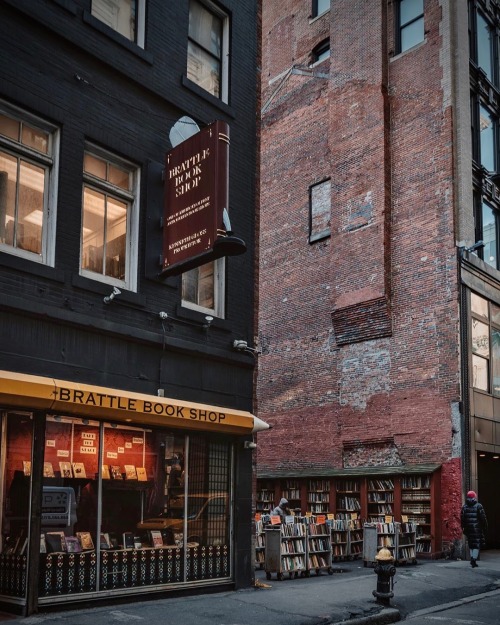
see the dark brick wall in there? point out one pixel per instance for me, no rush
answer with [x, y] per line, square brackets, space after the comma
[359, 332]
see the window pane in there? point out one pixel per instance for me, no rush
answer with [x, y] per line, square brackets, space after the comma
[16, 480]
[9, 127]
[479, 373]
[495, 314]
[412, 34]
[36, 139]
[116, 232]
[489, 236]
[320, 209]
[480, 338]
[119, 177]
[479, 305]
[8, 185]
[120, 15]
[30, 208]
[409, 10]
[486, 139]
[205, 28]
[203, 69]
[495, 360]
[322, 6]
[93, 230]
[95, 166]
[484, 46]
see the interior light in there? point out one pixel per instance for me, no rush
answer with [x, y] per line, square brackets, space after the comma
[496, 457]
[482, 455]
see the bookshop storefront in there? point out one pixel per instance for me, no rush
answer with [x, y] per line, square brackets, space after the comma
[106, 493]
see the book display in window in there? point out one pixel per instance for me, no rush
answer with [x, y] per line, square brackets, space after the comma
[319, 548]
[55, 542]
[416, 508]
[86, 541]
[380, 499]
[318, 496]
[291, 492]
[79, 470]
[66, 471]
[348, 497]
[116, 472]
[285, 550]
[48, 469]
[130, 472]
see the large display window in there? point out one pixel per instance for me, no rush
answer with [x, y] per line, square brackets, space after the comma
[15, 496]
[122, 506]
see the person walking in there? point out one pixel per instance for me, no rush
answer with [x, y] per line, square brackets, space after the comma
[474, 525]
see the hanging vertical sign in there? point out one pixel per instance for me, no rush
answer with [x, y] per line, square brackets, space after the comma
[196, 200]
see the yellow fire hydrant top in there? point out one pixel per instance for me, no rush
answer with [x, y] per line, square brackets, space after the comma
[384, 555]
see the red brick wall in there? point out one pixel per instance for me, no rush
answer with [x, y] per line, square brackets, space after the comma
[381, 128]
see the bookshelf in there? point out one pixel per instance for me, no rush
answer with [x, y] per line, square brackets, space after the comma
[260, 544]
[318, 496]
[406, 548]
[292, 492]
[348, 496]
[264, 502]
[340, 538]
[319, 548]
[285, 550]
[355, 538]
[380, 499]
[376, 536]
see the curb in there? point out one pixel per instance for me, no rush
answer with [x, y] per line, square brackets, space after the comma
[387, 615]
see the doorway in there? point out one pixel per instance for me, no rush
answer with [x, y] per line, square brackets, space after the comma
[488, 474]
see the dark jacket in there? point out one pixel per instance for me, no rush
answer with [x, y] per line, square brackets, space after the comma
[474, 523]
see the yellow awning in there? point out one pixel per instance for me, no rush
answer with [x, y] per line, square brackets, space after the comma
[33, 392]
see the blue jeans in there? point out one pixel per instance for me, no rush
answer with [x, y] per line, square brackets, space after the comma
[474, 554]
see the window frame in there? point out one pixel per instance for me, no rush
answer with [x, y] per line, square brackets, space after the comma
[325, 233]
[315, 10]
[318, 53]
[400, 27]
[140, 24]
[50, 163]
[225, 53]
[219, 286]
[133, 200]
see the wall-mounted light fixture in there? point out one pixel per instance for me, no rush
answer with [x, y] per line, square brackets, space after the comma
[242, 346]
[208, 321]
[249, 445]
[109, 298]
[473, 248]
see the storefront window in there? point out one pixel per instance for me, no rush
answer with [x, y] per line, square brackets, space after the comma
[129, 507]
[15, 458]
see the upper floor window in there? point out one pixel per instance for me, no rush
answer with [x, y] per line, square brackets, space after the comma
[410, 24]
[319, 210]
[208, 48]
[28, 185]
[319, 7]
[109, 237]
[203, 288]
[321, 52]
[124, 16]
[487, 138]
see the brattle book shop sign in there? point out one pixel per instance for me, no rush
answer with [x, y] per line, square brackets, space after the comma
[196, 195]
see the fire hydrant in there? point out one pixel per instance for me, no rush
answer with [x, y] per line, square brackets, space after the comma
[385, 571]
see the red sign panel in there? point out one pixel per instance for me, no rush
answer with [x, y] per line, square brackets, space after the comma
[196, 193]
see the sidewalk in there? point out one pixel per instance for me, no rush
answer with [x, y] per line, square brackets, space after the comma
[344, 597]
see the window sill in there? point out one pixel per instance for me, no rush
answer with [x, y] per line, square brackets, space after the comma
[321, 236]
[315, 18]
[196, 89]
[28, 266]
[405, 52]
[116, 37]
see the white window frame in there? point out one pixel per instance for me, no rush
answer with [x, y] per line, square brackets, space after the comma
[219, 292]
[224, 17]
[133, 199]
[50, 162]
[140, 23]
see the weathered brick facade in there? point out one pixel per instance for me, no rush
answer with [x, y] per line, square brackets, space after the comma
[359, 332]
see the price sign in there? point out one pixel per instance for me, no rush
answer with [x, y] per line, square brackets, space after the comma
[275, 519]
[388, 518]
[320, 519]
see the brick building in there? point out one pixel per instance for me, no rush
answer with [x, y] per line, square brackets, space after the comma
[379, 352]
[124, 407]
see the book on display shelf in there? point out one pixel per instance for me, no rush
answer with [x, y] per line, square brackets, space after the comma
[105, 472]
[86, 540]
[130, 472]
[116, 472]
[48, 469]
[56, 542]
[142, 475]
[65, 468]
[79, 470]
[128, 540]
[27, 467]
[156, 538]
[73, 544]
